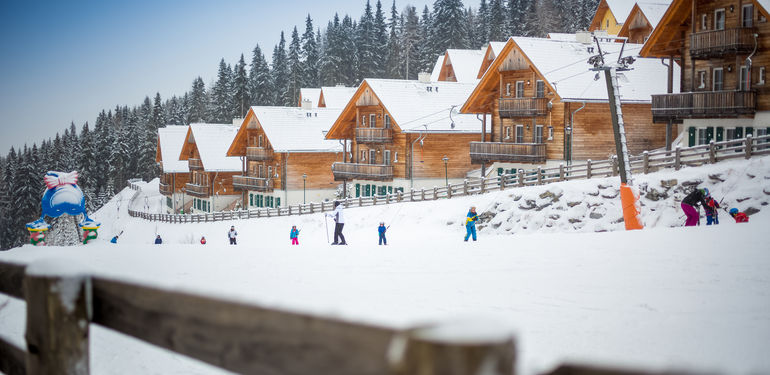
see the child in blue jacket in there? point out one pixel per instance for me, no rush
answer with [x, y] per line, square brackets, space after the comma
[470, 224]
[294, 235]
[381, 229]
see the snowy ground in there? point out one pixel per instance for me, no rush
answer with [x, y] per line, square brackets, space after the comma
[695, 298]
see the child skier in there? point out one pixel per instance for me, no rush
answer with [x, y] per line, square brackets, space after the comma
[712, 214]
[470, 224]
[739, 217]
[203, 240]
[381, 229]
[689, 204]
[232, 234]
[158, 240]
[114, 239]
[294, 235]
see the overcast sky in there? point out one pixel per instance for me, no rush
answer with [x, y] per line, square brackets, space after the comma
[63, 61]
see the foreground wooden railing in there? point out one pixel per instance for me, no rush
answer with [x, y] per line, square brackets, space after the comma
[644, 163]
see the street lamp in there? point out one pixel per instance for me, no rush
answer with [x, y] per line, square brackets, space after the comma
[446, 175]
[304, 179]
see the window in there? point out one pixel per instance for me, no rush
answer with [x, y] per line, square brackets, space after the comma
[550, 133]
[761, 80]
[395, 157]
[259, 144]
[519, 89]
[372, 156]
[261, 172]
[387, 121]
[386, 158]
[747, 15]
[702, 136]
[372, 121]
[363, 156]
[507, 132]
[539, 89]
[363, 121]
[519, 133]
[539, 134]
[269, 172]
[702, 79]
[719, 19]
[743, 84]
[730, 134]
[704, 22]
[508, 89]
[717, 80]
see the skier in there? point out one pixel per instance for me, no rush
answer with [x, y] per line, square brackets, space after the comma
[158, 240]
[203, 240]
[114, 239]
[689, 204]
[232, 234]
[739, 217]
[294, 235]
[712, 214]
[470, 224]
[381, 229]
[339, 220]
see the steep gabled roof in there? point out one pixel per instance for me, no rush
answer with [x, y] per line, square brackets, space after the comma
[491, 52]
[436, 72]
[651, 13]
[312, 94]
[335, 96]
[563, 66]
[464, 63]
[296, 130]
[620, 9]
[413, 106]
[212, 142]
[170, 141]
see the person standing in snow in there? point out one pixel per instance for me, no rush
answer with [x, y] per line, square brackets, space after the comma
[712, 214]
[232, 234]
[203, 240]
[470, 224]
[294, 235]
[381, 230]
[739, 217]
[339, 221]
[114, 239]
[158, 240]
[691, 202]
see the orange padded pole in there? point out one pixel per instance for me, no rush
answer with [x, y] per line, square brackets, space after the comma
[630, 208]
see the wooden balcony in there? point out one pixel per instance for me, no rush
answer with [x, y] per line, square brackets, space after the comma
[166, 189]
[716, 43]
[523, 107]
[485, 152]
[707, 104]
[252, 183]
[374, 135]
[350, 171]
[195, 164]
[258, 153]
[201, 191]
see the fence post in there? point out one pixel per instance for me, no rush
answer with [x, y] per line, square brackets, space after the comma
[588, 169]
[615, 165]
[449, 191]
[520, 173]
[678, 158]
[749, 145]
[465, 187]
[374, 200]
[58, 312]
[400, 196]
[646, 162]
[539, 176]
[435, 193]
[411, 194]
[561, 171]
[387, 198]
[422, 194]
[712, 152]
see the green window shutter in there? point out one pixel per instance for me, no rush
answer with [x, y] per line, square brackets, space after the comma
[390, 189]
[251, 199]
[749, 130]
[720, 134]
[366, 190]
[691, 136]
[738, 132]
[709, 134]
[358, 190]
[499, 171]
[278, 202]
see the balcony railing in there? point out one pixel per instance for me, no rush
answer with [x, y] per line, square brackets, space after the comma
[195, 164]
[716, 43]
[197, 190]
[258, 153]
[374, 135]
[166, 189]
[523, 107]
[707, 104]
[252, 183]
[349, 171]
[483, 152]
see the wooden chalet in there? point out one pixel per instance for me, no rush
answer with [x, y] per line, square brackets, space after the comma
[642, 20]
[722, 48]
[174, 172]
[547, 106]
[335, 96]
[460, 65]
[401, 134]
[211, 172]
[490, 54]
[309, 96]
[285, 157]
[610, 15]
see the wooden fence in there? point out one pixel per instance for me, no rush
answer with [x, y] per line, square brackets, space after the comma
[645, 163]
[235, 336]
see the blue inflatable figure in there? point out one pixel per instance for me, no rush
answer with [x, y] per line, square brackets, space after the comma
[63, 196]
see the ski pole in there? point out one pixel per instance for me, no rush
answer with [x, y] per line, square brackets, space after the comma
[326, 221]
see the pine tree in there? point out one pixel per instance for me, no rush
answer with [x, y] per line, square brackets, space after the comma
[11, 228]
[449, 27]
[472, 27]
[350, 56]
[411, 41]
[331, 60]
[158, 120]
[280, 73]
[380, 40]
[296, 67]
[482, 23]
[241, 97]
[260, 83]
[87, 158]
[311, 55]
[365, 44]
[498, 30]
[393, 67]
[198, 96]
[220, 100]
[517, 17]
[426, 47]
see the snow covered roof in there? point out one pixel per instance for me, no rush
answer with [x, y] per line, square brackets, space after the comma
[312, 94]
[298, 130]
[436, 72]
[416, 109]
[497, 47]
[212, 141]
[564, 66]
[655, 11]
[170, 140]
[491, 52]
[620, 9]
[335, 96]
[465, 63]
[562, 36]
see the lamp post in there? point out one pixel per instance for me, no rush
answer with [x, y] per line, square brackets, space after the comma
[446, 175]
[304, 179]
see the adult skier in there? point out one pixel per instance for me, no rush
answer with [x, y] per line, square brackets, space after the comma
[689, 204]
[339, 220]
[381, 230]
[470, 224]
[232, 234]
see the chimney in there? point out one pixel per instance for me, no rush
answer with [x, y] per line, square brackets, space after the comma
[583, 37]
[423, 77]
[307, 104]
[237, 121]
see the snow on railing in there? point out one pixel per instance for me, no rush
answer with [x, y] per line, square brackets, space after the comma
[647, 162]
